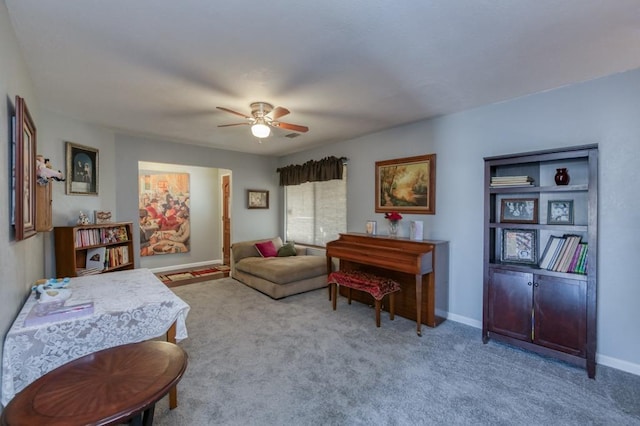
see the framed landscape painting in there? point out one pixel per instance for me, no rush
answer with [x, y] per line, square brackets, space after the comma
[406, 185]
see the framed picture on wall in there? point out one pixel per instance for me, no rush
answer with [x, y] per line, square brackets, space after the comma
[257, 199]
[406, 185]
[82, 169]
[24, 193]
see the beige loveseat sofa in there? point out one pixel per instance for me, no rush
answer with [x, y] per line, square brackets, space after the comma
[277, 277]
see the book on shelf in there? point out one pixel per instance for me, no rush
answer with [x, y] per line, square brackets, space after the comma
[96, 258]
[572, 244]
[564, 254]
[500, 181]
[551, 251]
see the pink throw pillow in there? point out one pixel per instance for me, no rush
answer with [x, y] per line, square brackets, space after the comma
[267, 249]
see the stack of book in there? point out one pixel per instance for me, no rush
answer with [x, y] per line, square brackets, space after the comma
[565, 254]
[501, 181]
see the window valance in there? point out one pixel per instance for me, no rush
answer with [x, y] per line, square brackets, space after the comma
[312, 171]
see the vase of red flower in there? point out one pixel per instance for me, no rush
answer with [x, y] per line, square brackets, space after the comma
[394, 220]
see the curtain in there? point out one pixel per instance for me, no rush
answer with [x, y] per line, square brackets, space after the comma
[312, 171]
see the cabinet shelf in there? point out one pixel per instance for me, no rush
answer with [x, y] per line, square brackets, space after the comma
[536, 270]
[541, 226]
[538, 309]
[534, 189]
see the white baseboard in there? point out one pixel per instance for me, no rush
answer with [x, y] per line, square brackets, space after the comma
[185, 266]
[618, 364]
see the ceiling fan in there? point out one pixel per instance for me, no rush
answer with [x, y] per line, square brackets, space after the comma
[263, 117]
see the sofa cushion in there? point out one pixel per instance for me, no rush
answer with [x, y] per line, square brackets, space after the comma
[243, 249]
[283, 270]
[289, 249]
[267, 249]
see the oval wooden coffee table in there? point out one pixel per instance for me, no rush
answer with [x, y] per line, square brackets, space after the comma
[103, 388]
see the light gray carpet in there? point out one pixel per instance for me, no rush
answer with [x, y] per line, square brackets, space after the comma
[258, 361]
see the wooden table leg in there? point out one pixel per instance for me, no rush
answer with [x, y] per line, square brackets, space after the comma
[173, 393]
[419, 304]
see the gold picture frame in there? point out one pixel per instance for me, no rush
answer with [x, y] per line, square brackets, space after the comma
[25, 172]
[406, 185]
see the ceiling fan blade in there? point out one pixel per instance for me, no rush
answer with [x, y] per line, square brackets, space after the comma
[233, 112]
[294, 127]
[234, 124]
[277, 113]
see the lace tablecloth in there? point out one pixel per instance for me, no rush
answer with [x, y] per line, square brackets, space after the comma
[129, 306]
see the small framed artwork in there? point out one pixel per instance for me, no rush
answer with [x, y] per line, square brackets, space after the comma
[560, 212]
[371, 227]
[257, 199]
[24, 196]
[519, 246]
[101, 217]
[82, 169]
[406, 185]
[519, 210]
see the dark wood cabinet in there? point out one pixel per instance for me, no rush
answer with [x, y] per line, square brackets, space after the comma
[546, 311]
[537, 308]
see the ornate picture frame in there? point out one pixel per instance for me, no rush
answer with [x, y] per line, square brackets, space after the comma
[82, 169]
[560, 212]
[257, 199]
[519, 210]
[406, 185]
[24, 172]
[519, 246]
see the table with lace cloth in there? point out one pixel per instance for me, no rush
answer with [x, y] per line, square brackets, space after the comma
[128, 307]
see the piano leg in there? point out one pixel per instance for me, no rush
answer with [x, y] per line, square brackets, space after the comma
[418, 304]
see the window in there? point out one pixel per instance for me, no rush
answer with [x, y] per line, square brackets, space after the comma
[316, 212]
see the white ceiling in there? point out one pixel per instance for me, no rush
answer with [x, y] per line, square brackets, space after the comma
[344, 68]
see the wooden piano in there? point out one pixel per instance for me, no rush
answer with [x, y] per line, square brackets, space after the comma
[421, 267]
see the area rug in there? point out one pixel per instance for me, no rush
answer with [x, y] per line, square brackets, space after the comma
[189, 276]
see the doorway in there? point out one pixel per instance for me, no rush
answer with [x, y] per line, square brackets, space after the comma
[226, 220]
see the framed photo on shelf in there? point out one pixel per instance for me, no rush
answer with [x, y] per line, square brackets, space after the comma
[406, 185]
[560, 212]
[519, 210]
[82, 169]
[519, 246]
[372, 227]
[101, 217]
[24, 191]
[257, 199]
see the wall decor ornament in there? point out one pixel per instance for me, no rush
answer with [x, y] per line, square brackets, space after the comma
[406, 185]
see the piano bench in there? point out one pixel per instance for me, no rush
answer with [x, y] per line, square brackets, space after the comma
[375, 285]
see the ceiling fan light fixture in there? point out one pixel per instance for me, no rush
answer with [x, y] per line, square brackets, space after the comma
[260, 130]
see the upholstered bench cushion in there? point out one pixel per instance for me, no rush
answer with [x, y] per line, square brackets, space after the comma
[283, 270]
[375, 285]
